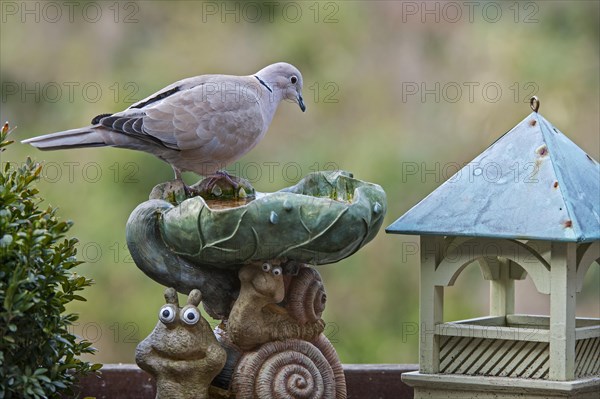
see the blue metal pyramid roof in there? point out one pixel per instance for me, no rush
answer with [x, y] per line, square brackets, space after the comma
[532, 183]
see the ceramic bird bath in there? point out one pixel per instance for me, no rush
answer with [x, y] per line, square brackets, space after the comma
[252, 261]
[326, 217]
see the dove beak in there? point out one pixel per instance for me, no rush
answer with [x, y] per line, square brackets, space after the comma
[301, 103]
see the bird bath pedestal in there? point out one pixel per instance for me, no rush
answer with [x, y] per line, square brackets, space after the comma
[546, 225]
[250, 263]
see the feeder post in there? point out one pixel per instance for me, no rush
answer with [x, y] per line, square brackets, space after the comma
[563, 287]
[502, 291]
[431, 304]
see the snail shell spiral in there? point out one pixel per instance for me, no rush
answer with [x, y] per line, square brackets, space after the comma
[306, 296]
[284, 369]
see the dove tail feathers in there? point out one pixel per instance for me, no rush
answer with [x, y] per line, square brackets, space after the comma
[74, 138]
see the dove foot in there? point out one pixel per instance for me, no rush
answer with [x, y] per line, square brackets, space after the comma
[223, 186]
[189, 191]
[174, 191]
[220, 187]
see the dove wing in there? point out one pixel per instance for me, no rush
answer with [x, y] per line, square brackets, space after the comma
[206, 115]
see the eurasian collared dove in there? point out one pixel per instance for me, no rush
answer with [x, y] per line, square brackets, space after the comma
[198, 124]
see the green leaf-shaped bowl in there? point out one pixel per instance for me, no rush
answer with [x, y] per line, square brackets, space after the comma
[324, 218]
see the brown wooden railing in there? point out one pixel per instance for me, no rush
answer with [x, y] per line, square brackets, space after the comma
[364, 381]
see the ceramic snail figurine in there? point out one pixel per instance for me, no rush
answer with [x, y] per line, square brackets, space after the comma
[182, 352]
[256, 318]
[276, 322]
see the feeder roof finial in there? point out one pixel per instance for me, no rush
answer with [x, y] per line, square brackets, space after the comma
[534, 103]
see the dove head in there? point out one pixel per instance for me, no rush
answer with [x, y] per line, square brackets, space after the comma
[284, 80]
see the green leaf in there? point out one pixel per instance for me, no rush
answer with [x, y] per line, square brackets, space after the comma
[96, 366]
[59, 384]
[5, 241]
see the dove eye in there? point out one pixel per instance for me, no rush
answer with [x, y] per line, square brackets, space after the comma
[276, 271]
[293, 79]
[266, 267]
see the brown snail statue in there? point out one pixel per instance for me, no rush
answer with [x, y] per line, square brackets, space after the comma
[274, 336]
[256, 318]
[182, 352]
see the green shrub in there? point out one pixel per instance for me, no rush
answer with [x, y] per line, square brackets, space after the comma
[38, 354]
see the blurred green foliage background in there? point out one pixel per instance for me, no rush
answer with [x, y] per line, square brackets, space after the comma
[391, 87]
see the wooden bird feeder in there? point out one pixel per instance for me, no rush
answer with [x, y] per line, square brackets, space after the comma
[543, 221]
